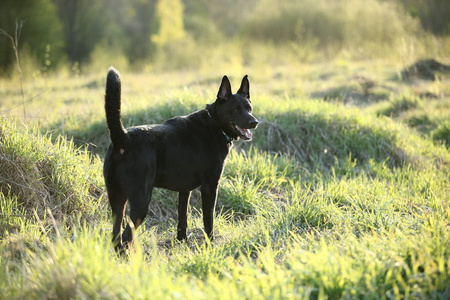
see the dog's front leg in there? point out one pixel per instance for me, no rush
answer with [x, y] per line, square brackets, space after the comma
[209, 194]
[183, 204]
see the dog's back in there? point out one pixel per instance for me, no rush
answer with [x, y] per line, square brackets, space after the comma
[180, 151]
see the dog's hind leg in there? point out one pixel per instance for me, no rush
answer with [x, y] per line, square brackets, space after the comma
[139, 201]
[183, 204]
[117, 200]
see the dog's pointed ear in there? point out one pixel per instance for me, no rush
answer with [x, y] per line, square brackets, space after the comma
[225, 88]
[245, 87]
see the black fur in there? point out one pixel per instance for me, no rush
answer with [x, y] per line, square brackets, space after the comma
[112, 106]
[180, 154]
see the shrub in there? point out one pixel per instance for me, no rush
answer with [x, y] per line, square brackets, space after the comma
[330, 23]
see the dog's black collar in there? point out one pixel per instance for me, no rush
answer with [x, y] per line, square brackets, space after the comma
[229, 139]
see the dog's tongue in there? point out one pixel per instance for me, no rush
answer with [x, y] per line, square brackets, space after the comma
[245, 132]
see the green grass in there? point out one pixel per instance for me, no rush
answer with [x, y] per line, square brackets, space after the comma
[333, 199]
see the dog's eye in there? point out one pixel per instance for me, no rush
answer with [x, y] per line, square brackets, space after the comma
[236, 110]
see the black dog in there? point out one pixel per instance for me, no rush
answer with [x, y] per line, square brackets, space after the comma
[180, 154]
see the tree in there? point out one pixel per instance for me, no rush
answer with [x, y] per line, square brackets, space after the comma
[169, 17]
[137, 22]
[433, 14]
[86, 23]
[41, 31]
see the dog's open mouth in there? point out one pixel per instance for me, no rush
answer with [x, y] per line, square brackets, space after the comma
[244, 134]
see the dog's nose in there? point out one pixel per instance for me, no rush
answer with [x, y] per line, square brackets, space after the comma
[253, 123]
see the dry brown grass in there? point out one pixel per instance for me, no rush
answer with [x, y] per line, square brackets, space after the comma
[34, 179]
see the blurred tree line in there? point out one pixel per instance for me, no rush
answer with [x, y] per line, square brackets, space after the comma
[57, 32]
[434, 15]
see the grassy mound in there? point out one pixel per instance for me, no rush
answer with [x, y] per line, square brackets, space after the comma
[42, 176]
[427, 69]
[325, 136]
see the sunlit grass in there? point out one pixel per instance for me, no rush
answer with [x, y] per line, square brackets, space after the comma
[332, 198]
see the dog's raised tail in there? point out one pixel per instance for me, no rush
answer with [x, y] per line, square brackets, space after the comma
[117, 132]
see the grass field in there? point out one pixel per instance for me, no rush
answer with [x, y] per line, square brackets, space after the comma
[342, 194]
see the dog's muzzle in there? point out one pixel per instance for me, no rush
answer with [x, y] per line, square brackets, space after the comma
[245, 133]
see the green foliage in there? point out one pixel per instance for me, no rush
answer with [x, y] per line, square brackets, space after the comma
[330, 23]
[433, 14]
[177, 34]
[169, 16]
[41, 33]
[136, 20]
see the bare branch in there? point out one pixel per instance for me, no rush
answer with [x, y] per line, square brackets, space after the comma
[15, 45]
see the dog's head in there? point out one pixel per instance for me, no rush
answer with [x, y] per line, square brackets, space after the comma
[234, 111]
